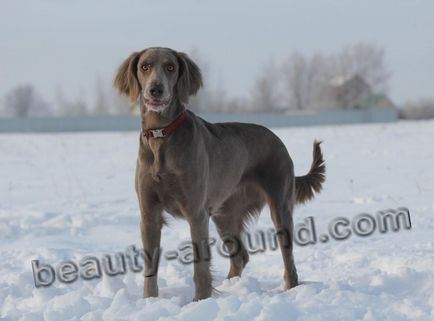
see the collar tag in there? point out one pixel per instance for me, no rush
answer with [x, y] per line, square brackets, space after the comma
[158, 133]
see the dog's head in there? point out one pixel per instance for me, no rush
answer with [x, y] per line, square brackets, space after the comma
[158, 76]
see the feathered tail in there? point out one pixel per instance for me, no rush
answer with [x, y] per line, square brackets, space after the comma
[306, 186]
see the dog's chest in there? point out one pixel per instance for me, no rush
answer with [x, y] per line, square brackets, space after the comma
[156, 162]
[164, 174]
[171, 194]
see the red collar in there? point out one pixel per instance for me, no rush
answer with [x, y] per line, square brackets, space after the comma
[165, 131]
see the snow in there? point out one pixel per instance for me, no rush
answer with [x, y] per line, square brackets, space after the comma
[67, 196]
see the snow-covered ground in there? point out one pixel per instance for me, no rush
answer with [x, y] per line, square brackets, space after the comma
[67, 196]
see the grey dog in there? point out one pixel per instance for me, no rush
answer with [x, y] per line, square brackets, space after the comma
[197, 170]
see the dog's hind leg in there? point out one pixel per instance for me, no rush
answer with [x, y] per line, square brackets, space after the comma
[230, 233]
[281, 216]
[231, 222]
[279, 190]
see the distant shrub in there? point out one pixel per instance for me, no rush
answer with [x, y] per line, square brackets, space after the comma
[420, 109]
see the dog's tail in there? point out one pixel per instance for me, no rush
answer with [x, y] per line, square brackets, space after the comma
[306, 186]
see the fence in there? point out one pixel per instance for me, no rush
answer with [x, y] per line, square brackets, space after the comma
[130, 123]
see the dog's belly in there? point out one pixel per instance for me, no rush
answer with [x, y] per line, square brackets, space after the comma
[177, 196]
[175, 199]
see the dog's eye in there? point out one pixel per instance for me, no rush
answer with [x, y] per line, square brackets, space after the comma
[170, 67]
[146, 67]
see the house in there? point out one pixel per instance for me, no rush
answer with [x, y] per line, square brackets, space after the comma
[356, 93]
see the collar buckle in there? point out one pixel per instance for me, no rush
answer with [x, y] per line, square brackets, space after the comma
[158, 133]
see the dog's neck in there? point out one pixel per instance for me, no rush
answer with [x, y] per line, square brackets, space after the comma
[153, 120]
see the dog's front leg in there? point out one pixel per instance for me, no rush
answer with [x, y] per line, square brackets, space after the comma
[150, 227]
[202, 256]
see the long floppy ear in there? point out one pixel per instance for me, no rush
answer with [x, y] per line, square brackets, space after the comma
[126, 80]
[190, 78]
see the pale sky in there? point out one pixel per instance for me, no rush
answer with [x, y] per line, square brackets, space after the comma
[68, 44]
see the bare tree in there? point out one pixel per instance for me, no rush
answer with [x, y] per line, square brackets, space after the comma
[295, 75]
[212, 99]
[24, 101]
[265, 91]
[305, 80]
[102, 103]
[365, 60]
[120, 104]
[109, 102]
[76, 107]
[3, 111]
[309, 81]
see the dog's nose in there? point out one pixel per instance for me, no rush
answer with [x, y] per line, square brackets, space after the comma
[156, 90]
